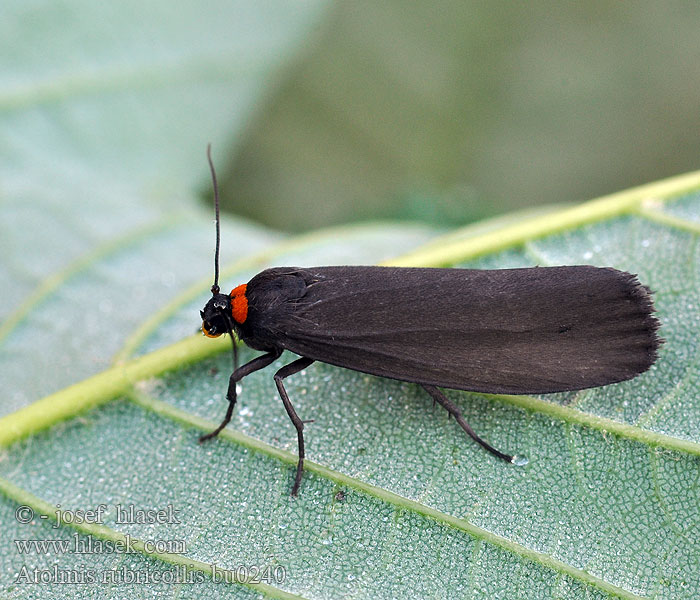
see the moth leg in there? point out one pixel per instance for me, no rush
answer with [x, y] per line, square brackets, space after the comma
[452, 409]
[286, 371]
[259, 362]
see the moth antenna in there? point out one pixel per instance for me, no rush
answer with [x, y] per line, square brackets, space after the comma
[215, 288]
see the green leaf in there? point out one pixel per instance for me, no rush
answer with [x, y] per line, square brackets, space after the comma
[395, 501]
[106, 259]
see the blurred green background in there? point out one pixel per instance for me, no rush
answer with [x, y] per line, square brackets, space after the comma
[452, 111]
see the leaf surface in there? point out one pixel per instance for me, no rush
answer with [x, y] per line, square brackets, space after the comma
[106, 260]
[396, 500]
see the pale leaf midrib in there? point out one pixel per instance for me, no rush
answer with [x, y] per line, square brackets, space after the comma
[630, 201]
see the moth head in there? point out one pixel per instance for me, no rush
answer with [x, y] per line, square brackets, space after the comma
[216, 315]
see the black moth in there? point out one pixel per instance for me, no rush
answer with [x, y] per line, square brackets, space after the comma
[507, 331]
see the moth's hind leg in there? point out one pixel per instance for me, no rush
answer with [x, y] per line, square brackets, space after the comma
[452, 409]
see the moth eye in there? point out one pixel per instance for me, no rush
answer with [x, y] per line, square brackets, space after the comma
[206, 330]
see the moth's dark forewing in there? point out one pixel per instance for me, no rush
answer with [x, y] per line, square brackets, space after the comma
[515, 331]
